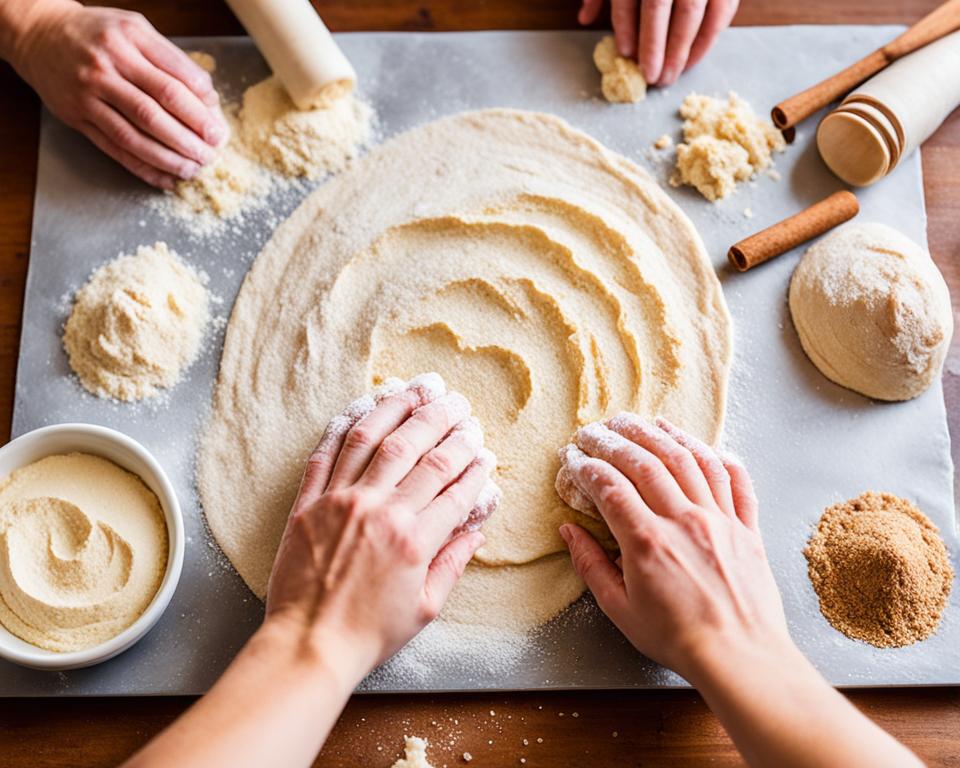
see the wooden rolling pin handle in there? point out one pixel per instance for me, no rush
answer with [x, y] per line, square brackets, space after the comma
[789, 233]
[941, 21]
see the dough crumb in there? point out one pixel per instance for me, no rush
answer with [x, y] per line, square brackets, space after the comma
[415, 754]
[664, 142]
[621, 80]
[467, 757]
[137, 324]
[748, 213]
[724, 143]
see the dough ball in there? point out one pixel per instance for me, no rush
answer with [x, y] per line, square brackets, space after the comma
[622, 81]
[872, 311]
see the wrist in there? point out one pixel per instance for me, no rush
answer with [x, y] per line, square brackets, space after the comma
[316, 651]
[20, 19]
[725, 662]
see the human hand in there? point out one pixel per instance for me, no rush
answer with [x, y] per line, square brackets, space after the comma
[376, 538]
[110, 75]
[670, 37]
[692, 578]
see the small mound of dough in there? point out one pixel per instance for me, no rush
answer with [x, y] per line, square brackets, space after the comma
[137, 324]
[621, 82]
[310, 143]
[872, 311]
[723, 142]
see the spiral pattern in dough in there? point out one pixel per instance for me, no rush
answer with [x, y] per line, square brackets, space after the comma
[549, 280]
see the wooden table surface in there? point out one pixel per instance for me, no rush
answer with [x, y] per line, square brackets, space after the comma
[563, 729]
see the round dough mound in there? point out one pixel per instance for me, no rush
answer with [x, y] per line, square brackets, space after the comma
[549, 280]
[872, 311]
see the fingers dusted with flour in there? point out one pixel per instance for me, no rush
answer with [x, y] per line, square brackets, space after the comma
[691, 568]
[386, 519]
[710, 464]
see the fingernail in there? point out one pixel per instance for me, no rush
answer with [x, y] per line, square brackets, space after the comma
[189, 170]
[668, 75]
[166, 182]
[205, 153]
[565, 533]
[215, 134]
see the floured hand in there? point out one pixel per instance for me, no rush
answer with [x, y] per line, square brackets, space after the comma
[692, 567]
[385, 521]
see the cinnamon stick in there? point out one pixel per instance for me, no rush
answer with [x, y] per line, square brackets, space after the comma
[791, 232]
[941, 21]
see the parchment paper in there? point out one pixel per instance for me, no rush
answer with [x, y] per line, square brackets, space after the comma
[807, 442]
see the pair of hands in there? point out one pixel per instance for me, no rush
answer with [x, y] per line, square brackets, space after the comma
[367, 559]
[666, 37]
[110, 75]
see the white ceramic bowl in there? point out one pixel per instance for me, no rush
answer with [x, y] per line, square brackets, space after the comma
[129, 454]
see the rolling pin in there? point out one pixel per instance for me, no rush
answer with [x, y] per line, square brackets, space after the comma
[943, 20]
[889, 116]
[299, 49]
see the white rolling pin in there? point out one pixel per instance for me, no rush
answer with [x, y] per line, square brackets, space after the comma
[889, 116]
[299, 49]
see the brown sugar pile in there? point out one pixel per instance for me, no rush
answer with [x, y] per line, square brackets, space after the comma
[880, 569]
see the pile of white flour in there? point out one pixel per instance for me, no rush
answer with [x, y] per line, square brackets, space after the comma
[137, 324]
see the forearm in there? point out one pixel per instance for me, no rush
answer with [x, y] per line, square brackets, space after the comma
[275, 705]
[17, 18]
[780, 711]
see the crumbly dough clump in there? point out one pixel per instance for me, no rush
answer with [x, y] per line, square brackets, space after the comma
[137, 324]
[880, 569]
[415, 754]
[724, 143]
[621, 81]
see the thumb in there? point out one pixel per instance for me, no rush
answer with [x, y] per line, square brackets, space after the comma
[447, 568]
[591, 563]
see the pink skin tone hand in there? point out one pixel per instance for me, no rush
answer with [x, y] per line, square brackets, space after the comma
[110, 75]
[666, 37]
[692, 589]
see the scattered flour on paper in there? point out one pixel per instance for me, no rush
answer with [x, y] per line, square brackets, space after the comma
[137, 324]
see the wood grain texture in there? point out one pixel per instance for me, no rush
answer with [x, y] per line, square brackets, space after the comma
[653, 728]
